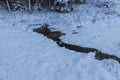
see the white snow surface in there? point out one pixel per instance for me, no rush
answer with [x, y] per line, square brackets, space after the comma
[26, 55]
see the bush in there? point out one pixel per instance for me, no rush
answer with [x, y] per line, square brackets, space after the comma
[31, 5]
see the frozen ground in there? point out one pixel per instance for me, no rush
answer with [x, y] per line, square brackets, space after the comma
[25, 55]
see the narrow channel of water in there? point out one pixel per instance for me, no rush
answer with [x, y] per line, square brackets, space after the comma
[55, 36]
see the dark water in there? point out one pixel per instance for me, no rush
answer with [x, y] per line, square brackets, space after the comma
[55, 36]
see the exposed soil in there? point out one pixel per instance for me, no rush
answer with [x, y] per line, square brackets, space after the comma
[55, 36]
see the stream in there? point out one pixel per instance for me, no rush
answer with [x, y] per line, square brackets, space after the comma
[55, 36]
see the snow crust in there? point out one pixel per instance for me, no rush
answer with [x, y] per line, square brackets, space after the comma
[25, 55]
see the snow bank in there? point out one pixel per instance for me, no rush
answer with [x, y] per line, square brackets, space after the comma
[25, 55]
[31, 56]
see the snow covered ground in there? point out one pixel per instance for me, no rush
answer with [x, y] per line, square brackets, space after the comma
[25, 55]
